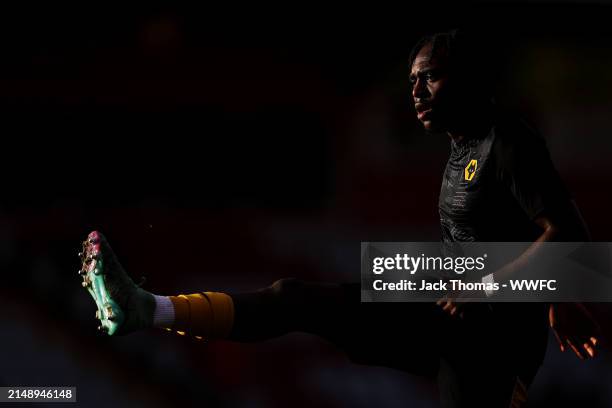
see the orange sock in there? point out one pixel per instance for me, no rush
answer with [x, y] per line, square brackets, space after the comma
[206, 314]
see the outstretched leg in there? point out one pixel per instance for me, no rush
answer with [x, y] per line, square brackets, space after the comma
[122, 306]
[290, 305]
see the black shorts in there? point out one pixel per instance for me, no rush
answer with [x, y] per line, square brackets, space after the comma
[486, 358]
[478, 360]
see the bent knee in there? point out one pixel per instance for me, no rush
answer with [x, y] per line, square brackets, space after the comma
[288, 287]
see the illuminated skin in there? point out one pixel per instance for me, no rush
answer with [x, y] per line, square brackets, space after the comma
[442, 105]
[430, 79]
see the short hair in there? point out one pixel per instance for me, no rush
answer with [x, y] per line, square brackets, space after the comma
[436, 40]
[461, 49]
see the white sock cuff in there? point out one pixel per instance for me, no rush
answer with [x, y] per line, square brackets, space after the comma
[164, 312]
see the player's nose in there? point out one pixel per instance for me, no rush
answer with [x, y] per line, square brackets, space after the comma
[419, 90]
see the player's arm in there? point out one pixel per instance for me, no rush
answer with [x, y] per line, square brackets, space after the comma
[571, 227]
[572, 324]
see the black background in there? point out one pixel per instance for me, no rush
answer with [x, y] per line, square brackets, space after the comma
[222, 148]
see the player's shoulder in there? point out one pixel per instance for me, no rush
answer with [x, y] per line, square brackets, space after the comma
[514, 136]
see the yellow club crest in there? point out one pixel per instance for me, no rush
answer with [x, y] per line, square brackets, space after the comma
[470, 169]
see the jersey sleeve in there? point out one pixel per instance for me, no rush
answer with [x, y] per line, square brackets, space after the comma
[524, 167]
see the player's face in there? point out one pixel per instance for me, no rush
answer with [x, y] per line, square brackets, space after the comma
[430, 89]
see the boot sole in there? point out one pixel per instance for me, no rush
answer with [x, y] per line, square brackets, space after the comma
[108, 312]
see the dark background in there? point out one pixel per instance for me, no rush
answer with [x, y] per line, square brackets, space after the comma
[225, 148]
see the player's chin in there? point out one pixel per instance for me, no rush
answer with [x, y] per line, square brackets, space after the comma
[431, 126]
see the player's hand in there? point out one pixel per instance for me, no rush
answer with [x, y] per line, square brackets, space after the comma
[454, 301]
[450, 305]
[575, 328]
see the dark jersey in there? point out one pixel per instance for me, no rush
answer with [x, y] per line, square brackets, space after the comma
[493, 189]
[495, 185]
